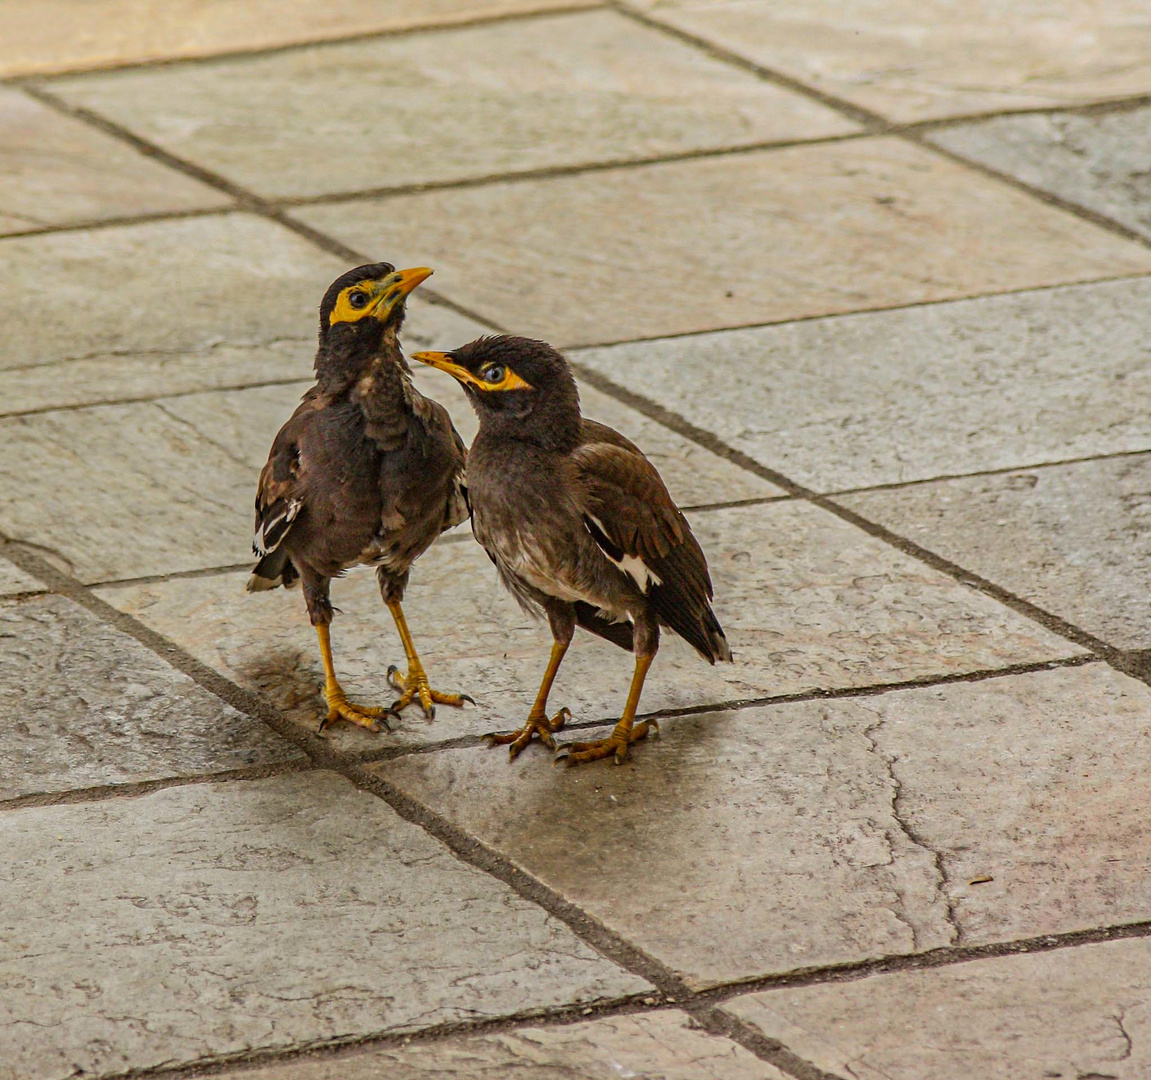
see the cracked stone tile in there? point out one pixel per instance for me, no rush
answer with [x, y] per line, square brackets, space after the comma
[990, 383]
[216, 919]
[1032, 780]
[735, 845]
[660, 1045]
[84, 705]
[39, 36]
[452, 105]
[1102, 161]
[1078, 1013]
[13, 580]
[1071, 538]
[807, 602]
[58, 171]
[915, 61]
[612, 256]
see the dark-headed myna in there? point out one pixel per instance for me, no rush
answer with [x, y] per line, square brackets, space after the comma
[367, 470]
[579, 525]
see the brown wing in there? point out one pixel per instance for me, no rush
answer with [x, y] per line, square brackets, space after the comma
[628, 511]
[278, 495]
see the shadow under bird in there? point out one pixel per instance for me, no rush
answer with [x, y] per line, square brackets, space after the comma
[366, 471]
[579, 526]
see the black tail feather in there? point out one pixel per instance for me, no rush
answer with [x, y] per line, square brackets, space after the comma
[617, 633]
[274, 570]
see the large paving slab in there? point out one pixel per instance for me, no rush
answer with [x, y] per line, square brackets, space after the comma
[654, 1046]
[39, 36]
[787, 233]
[57, 171]
[1071, 538]
[214, 919]
[13, 580]
[169, 307]
[774, 839]
[892, 396]
[1101, 161]
[1072, 1013]
[84, 705]
[451, 105]
[910, 60]
[807, 602]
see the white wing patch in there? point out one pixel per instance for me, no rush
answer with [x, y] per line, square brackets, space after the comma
[632, 565]
[274, 528]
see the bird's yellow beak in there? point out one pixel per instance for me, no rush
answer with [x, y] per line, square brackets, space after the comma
[443, 361]
[396, 288]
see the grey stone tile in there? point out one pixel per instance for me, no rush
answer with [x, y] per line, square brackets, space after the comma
[85, 705]
[659, 1046]
[456, 104]
[14, 580]
[893, 396]
[917, 61]
[1102, 162]
[1083, 1012]
[615, 255]
[209, 920]
[58, 171]
[38, 36]
[1071, 538]
[807, 833]
[807, 602]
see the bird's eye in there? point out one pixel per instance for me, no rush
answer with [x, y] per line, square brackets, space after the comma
[494, 373]
[357, 299]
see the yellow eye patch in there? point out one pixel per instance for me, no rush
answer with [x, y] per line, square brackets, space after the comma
[355, 302]
[509, 381]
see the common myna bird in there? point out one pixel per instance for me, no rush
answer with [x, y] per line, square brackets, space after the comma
[367, 471]
[579, 526]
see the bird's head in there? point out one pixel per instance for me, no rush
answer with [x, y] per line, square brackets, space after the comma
[362, 310]
[519, 387]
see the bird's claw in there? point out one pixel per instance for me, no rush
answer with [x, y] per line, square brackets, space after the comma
[615, 745]
[535, 725]
[368, 717]
[413, 686]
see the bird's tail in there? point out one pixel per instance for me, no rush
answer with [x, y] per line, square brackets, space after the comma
[714, 637]
[272, 571]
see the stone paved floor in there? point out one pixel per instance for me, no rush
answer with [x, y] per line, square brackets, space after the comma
[871, 281]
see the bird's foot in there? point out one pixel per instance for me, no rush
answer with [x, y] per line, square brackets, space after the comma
[536, 724]
[575, 753]
[413, 686]
[340, 708]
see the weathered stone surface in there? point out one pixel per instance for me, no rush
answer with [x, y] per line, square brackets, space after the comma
[214, 919]
[84, 705]
[57, 171]
[807, 601]
[1102, 162]
[199, 304]
[893, 396]
[473, 102]
[808, 230]
[1083, 1012]
[1071, 538]
[659, 1046]
[918, 61]
[14, 580]
[60, 35]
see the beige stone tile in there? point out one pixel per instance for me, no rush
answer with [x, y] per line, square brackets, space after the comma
[213, 920]
[57, 171]
[1082, 1012]
[888, 397]
[914, 61]
[13, 580]
[776, 838]
[782, 234]
[85, 705]
[1072, 538]
[426, 108]
[659, 1046]
[807, 601]
[38, 36]
[197, 304]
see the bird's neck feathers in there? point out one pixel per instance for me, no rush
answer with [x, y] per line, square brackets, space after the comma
[550, 420]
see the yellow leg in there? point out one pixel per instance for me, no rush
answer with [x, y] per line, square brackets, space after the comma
[414, 683]
[339, 707]
[537, 721]
[626, 731]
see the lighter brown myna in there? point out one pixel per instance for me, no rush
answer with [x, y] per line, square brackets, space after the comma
[579, 525]
[367, 471]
